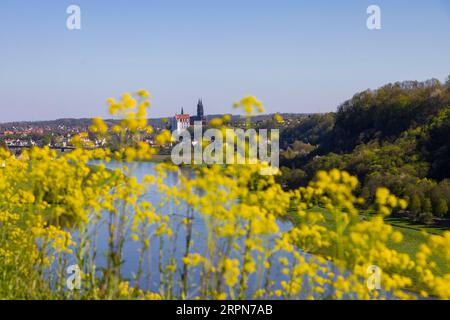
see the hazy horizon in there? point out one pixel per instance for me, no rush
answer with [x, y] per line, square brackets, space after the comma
[295, 56]
[109, 118]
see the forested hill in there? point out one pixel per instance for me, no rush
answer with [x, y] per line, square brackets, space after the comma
[387, 112]
[397, 136]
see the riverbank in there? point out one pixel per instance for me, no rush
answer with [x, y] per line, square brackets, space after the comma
[414, 234]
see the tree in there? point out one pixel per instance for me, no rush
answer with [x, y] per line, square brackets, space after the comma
[441, 208]
[3, 144]
[292, 178]
[426, 217]
[437, 146]
[415, 206]
[426, 206]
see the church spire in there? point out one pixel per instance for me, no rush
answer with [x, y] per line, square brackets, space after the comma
[182, 111]
[200, 111]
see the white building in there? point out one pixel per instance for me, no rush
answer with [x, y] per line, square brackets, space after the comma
[181, 121]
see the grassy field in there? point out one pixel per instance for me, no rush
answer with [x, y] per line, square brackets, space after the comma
[414, 234]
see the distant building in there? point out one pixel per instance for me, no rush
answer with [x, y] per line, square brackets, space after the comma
[183, 121]
[200, 113]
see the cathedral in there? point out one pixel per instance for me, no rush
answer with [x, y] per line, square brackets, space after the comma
[200, 114]
[183, 121]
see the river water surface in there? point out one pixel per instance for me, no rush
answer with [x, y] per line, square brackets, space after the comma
[175, 245]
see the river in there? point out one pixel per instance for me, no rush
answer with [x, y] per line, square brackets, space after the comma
[173, 246]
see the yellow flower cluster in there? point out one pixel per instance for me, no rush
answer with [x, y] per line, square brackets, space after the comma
[250, 104]
[258, 241]
[230, 271]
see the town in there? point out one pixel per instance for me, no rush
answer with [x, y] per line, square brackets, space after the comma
[57, 134]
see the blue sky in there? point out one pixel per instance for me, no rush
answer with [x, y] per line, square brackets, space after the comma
[295, 56]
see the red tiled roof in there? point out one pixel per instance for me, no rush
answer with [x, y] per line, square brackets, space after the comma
[182, 117]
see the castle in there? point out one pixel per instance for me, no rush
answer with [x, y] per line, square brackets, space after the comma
[183, 121]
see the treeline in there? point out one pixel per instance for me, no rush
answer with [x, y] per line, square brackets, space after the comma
[397, 136]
